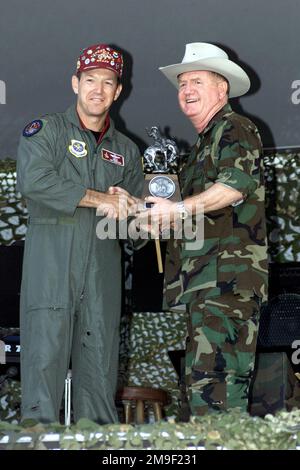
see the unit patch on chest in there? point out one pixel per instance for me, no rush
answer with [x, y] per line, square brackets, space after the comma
[77, 148]
[112, 157]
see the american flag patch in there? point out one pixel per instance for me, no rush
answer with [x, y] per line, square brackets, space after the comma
[112, 157]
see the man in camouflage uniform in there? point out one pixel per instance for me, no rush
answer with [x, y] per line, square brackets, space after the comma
[223, 282]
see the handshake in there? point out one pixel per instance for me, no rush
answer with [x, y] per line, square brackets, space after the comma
[153, 215]
[117, 203]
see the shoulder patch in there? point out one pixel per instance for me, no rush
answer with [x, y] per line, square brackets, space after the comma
[33, 128]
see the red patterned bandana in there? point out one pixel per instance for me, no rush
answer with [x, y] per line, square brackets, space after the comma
[100, 56]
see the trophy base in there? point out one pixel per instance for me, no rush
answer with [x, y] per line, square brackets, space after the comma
[162, 185]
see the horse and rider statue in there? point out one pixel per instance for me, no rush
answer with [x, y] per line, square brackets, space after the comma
[162, 155]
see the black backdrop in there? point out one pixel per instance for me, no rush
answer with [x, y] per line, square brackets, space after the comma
[40, 41]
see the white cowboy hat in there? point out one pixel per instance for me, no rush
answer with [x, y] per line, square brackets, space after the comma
[204, 56]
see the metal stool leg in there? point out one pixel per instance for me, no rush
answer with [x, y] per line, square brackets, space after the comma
[68, 383]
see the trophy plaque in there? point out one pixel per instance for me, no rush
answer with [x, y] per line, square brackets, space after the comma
[161, 180]
[160, 167]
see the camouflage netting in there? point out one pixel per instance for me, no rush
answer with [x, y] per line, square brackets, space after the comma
[12, 208]
[222, 431]
[10, 400]
[144, 357]
[283, 205]
[147, 337]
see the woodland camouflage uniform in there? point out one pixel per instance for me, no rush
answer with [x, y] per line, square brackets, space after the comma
[223, 282]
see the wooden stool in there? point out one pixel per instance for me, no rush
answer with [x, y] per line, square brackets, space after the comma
[137, 397]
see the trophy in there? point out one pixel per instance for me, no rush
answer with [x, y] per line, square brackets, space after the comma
[161, 180]
[160, 166]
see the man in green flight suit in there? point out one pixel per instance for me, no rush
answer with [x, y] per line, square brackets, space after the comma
[222, 279]
[71, 286]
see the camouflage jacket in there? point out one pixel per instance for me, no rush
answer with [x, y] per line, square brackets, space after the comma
[234, 252]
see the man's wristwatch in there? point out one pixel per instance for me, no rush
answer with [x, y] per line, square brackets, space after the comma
[183, 213]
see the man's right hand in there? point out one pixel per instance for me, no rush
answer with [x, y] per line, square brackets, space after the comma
[116, 203]
[135, 205]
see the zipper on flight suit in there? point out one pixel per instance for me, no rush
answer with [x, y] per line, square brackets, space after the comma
[93, 152]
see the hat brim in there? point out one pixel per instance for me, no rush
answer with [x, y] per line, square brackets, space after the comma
[238, 79]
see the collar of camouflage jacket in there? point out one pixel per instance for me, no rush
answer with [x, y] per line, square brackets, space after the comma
[217, 117]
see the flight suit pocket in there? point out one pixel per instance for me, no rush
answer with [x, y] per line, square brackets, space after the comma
[45, 332]
[110, 173]
[47, 264]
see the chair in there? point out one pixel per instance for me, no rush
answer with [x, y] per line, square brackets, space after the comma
[138, 398]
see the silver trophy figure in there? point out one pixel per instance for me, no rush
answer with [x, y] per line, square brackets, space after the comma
[160, 166]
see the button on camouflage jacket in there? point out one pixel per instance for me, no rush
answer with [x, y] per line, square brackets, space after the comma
[234, 253]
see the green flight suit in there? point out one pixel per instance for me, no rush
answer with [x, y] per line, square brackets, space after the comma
[71, 285]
